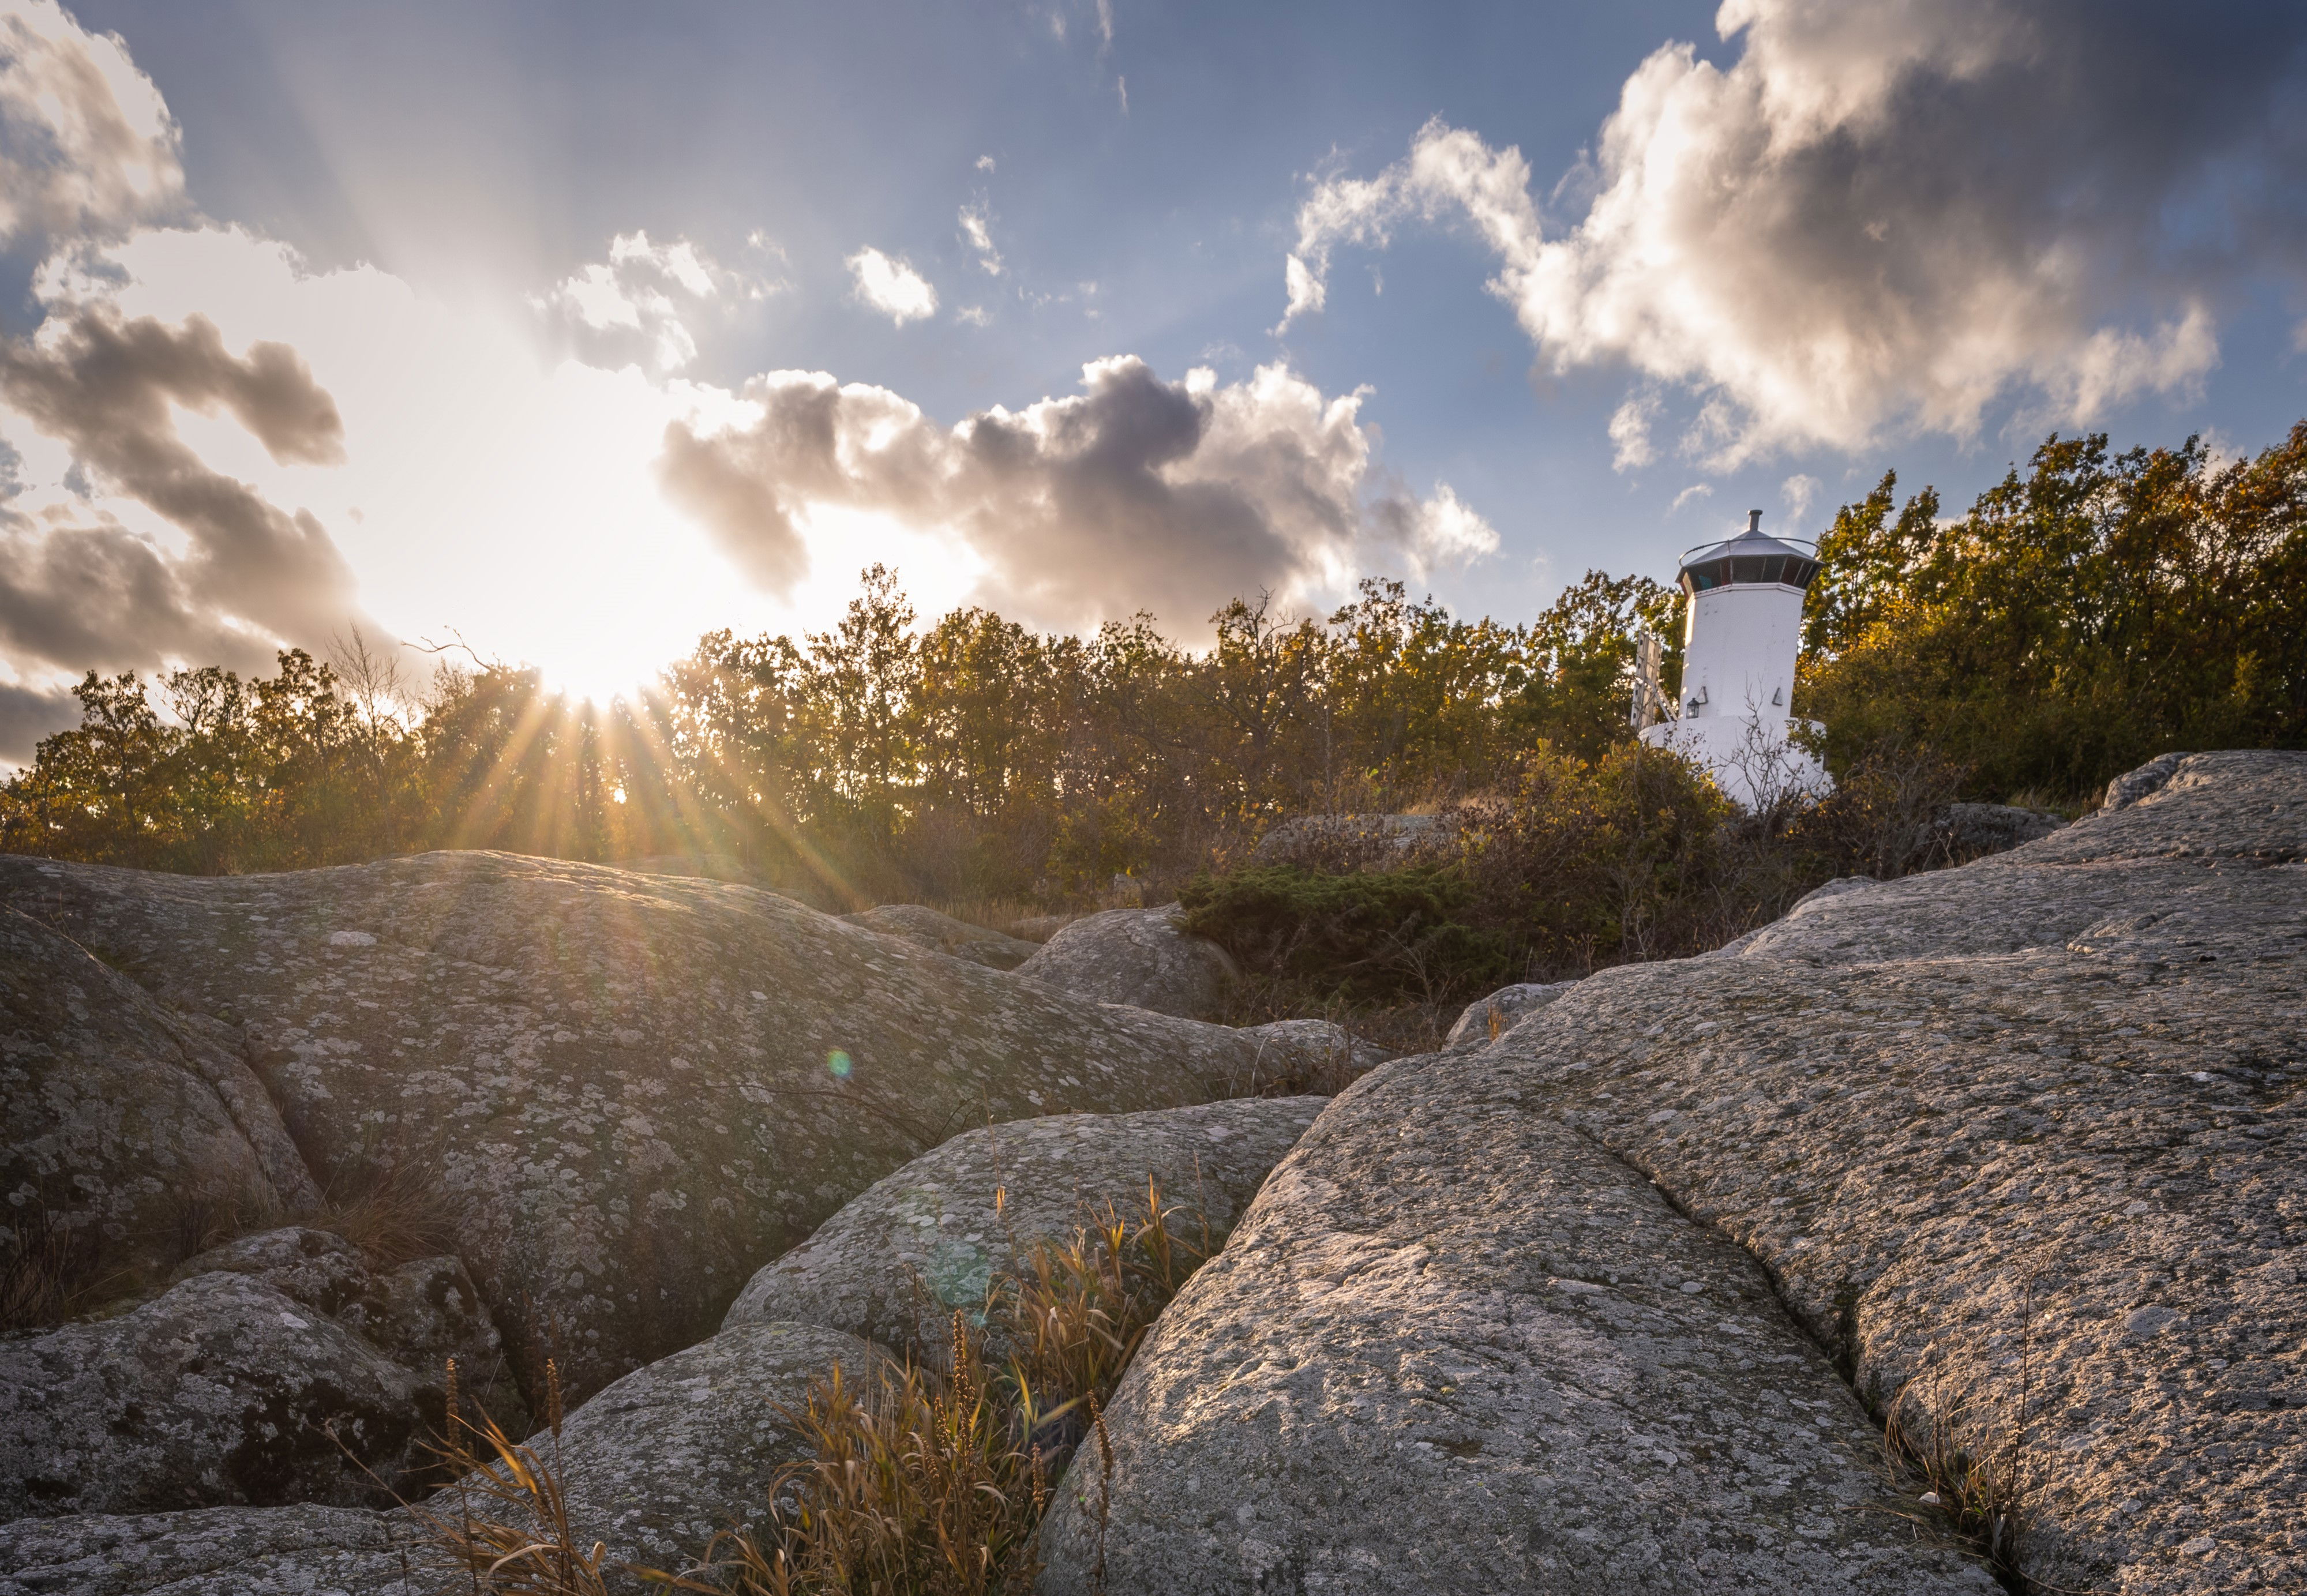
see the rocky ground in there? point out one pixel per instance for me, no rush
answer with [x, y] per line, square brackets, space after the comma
[1616, 1293]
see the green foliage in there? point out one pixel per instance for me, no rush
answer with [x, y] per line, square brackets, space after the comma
[969, 759]
[2079, 619]
[1580, 863]
[1372, 935]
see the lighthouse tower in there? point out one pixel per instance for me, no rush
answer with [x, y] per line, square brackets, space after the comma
[1743, 632]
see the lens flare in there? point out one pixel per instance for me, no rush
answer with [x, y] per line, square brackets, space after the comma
[838, 1063]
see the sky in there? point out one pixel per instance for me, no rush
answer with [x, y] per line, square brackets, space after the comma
[574, 331]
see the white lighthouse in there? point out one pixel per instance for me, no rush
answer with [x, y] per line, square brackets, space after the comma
[1739, 642]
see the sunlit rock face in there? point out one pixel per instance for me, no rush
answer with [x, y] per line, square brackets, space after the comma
[633, 1090]
[2018, 1147]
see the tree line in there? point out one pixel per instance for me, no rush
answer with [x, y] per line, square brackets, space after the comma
[2083, 616]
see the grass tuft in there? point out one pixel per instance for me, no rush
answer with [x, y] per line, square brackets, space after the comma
[928, 1479]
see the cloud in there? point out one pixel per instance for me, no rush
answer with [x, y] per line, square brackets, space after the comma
[108, 389]
[1695, 490]
[892, 286]
[88, 149]
[976, 232]
[976, 315]
[1135, 494]
[1800, 492]
[1630, 433]
[1883, 216]
[984, 163]
[28, 714]
[648, 289]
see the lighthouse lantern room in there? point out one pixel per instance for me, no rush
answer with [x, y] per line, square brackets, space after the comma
[1742, 631]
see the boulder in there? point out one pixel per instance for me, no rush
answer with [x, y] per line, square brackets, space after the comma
[1137, 957]
[653, 1468]
[1453, 1347]
[894, 1265]
[634, 1090]
[1966, 831]
[665, 1458]
[128, 1129]
[2020, 1145]
[420, 1314]
[1488, 1018]
[223, 1551]
[221, 1390]
[942, 933]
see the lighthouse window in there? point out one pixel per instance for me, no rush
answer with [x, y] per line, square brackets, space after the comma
[1713, 574]
[1748, 568]
[1799, 573]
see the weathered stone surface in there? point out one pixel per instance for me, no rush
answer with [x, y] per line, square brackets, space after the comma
[1489, 1018]
[1455, 1348]
[122, 1118]
[630, 1085]
[2022, 1143]
[221, 1390]
[665, 1458]
[653, 1467]
[419, 1314]
[223, 1551]
[1966, 831]
[894, 1264]
[1137, 957]
[942, 933]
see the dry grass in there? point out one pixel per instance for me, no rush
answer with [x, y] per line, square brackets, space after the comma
[49, 1271]
[504, 1520]
[1981, 1495]
[396, 1214]
[928, 1479]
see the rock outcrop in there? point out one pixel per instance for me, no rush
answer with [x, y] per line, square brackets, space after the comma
[652, 1468]
[126, 1126]
[223, 1551]
[221, 1390]
[1138, 958]
[634, 1090]
[942, 933]
[2020, 1145]
[669, 1456]
[1961, 832]
[1486, 1018]
[894, 1265]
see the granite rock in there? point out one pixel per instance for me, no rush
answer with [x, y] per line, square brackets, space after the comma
[653, 1468]
[223, 1551]
[126, 1123]
[634, 1090]
[1961, 832]
[420, 1314]
[1487, 1018]
[942, 933]
[1454, 1347]
[221, 1390]
[2020, 1146]
[665, 1458]
[894, 1265]
[1138, 958]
